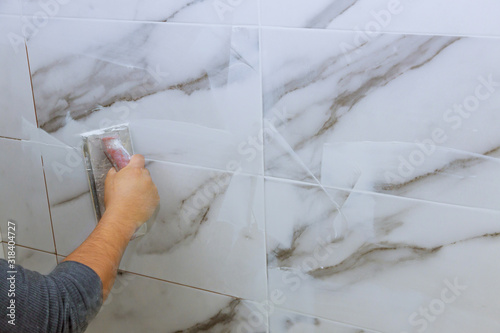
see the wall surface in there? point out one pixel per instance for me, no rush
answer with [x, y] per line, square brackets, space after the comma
[323, 166]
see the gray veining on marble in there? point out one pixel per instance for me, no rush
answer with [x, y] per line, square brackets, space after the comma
[375, 16]
[368, 94]
[138, 303]
[205, 80]
[391, 258]
[174, 11]
[283, 321]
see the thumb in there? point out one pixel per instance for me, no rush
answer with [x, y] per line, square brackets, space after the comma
[137, 161]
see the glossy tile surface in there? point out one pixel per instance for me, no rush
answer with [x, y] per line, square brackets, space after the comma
[377, 260]
[142, 304]
[172, 83]
[41, 262]
[71, 206]
[182, 11]
[12, 7]
[373, 16]
[420, 171]
[16, 99]
[312, 169]
[395, 88]
[210, 227]
[282, 321]
[23, 198]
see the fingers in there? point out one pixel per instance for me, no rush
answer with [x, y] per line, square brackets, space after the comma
[137, 161]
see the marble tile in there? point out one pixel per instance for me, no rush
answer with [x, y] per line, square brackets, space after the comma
[187, 11]
[23, 198]
[382, 262]
[281, 321]
[209, 232]
[425, 16]
[16, 99]
[68, 190]
[394, 88]
[420, 171]
[38, 261]
[171, 83]
[143, 304]
[11, 7]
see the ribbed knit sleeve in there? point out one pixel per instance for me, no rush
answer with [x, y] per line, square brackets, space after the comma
[65, 301]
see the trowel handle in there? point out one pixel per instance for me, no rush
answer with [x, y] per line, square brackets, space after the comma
[115, 152]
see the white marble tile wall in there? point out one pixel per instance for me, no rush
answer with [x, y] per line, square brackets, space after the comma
[172, 82]
[143, 304]
[16, 98]
[13, 7]
[23, 198]
[424, 16]
[422, 89]
[282, 321]
[186, 11]
[41, 262]
[323, 166]
[210, 227]
[392, 257]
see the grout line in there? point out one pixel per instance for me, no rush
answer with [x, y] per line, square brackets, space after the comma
[451, 205]
[10, 15]
[369, 330]
[30, 248]
[9, 138]
[177, 283]
[120, 21]
[183, 285]
[382, 32]
[263, 162]
[204, 168]
[48, 204]
[260, 25]
[31, 80]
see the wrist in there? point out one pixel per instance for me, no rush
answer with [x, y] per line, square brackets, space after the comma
[121, 222]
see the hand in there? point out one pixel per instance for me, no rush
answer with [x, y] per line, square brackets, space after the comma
[131, 193]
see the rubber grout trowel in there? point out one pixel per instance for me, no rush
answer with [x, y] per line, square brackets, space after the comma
[102, 150]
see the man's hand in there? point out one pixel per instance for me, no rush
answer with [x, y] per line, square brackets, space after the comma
[131, 193]
[130, 198]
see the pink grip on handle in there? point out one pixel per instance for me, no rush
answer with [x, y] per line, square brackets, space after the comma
[116, 153]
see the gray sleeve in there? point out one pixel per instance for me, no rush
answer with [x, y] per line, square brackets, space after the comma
[65, 301]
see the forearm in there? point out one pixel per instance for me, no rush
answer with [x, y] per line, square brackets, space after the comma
[104, 248]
